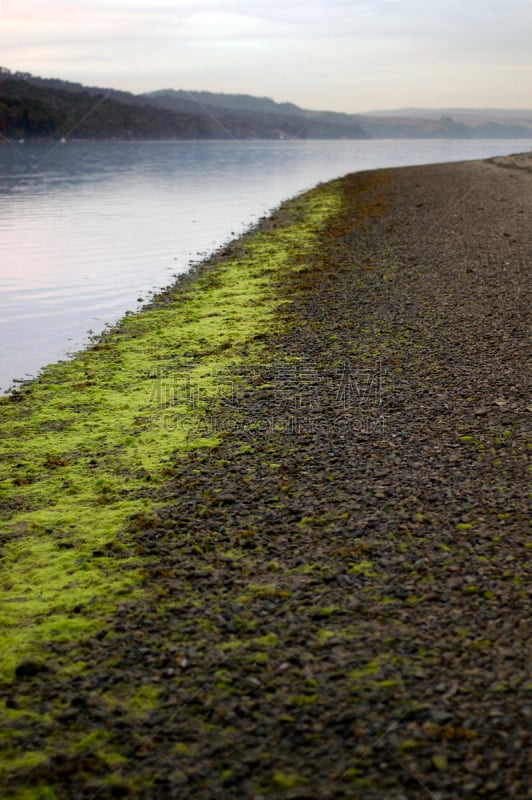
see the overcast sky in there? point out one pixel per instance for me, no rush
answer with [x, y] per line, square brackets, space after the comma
[344, 55]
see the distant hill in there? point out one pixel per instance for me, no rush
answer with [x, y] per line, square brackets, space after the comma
[32, 110]
[233, 102]
[76, 88]
[31, 106]
[246, 112]
[468, 123]
[469, 115]
[415, 123]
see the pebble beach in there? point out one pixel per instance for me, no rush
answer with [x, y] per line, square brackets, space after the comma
[284, 552]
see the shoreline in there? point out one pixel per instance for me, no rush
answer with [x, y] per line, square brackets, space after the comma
[154, 368]
[355, 592]
[59, 333]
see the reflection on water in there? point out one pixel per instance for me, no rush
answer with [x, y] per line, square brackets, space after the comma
[86, 229]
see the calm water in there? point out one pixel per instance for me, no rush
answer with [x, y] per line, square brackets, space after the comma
[88, 229]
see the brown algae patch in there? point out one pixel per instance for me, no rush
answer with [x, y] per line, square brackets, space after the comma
[83, 444]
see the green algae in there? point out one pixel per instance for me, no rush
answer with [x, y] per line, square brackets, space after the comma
[83, 444]
[136, 704]
[362, 568]
[288, 780]
[324, 634]
[83, 447]
[41, 792]
[268, 640]
[303, 700]
[371, 668]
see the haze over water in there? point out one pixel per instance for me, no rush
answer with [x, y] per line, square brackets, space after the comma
[88, 229]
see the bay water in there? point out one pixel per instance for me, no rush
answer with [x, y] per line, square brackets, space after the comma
[89, 230]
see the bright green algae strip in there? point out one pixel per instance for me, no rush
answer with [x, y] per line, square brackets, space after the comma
[83, 444]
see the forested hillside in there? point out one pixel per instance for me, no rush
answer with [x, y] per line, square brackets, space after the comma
[34, 107]
[28, 111]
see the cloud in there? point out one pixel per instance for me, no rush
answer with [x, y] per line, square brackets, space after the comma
[208, 25]
[315, 52]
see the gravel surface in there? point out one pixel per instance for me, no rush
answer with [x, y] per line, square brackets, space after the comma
[338, 594]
